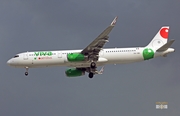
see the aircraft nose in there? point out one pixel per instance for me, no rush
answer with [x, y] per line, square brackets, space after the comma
[9, 62]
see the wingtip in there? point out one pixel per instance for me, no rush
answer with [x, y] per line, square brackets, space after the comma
[114, 21]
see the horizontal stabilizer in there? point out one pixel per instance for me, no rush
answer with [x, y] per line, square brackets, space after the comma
[99, 72]
[165, 46]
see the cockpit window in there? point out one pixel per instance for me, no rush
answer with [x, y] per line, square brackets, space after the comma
[16, 56]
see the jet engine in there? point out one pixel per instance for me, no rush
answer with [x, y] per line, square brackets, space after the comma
[74, 72]
[74, 57]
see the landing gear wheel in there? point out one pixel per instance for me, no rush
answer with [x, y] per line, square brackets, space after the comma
[91, 75]
[26, 73]
[93, 65]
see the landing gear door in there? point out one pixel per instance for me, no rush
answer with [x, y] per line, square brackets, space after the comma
[59, 55]
[25, 56]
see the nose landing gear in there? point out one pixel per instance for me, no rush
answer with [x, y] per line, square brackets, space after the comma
[26, 73]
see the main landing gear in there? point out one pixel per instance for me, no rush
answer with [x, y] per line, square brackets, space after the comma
[91, 75]
[93, 65]
[26, 73]
[92, 68]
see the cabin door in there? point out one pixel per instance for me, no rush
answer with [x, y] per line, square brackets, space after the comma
[25, 56]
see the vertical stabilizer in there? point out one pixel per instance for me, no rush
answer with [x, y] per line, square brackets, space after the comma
[160, 38]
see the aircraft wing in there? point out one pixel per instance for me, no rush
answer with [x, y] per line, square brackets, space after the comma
[94, 47]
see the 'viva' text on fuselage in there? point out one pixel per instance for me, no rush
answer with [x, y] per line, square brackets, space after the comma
[43, 53]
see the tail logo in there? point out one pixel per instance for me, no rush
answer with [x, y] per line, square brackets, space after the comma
[164, 33]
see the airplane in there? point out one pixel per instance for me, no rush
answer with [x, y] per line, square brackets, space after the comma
[94, 55]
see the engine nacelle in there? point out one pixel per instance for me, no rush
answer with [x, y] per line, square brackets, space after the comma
[73, 72]
[74, 57]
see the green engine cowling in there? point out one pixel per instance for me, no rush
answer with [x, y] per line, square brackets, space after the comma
[74, 57]
[73, 72]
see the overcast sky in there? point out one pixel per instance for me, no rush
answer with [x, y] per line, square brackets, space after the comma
[127, 90]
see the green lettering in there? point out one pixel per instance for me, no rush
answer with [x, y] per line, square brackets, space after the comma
[36, 53]
[49, 53]
[43, 53]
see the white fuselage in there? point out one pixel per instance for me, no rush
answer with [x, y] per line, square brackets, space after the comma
[59, 58]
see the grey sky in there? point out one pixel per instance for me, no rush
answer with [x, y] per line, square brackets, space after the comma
[128, 89]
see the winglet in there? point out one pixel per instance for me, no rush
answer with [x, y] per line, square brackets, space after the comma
[114, 21]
